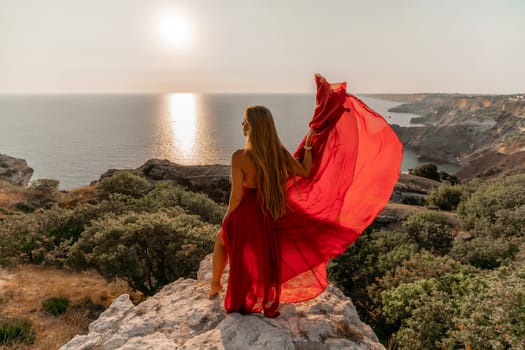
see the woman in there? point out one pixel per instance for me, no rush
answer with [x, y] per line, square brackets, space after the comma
[287, 218]
[259, 175]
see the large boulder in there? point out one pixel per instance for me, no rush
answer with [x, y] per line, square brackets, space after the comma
[15, 170]
[181, 316]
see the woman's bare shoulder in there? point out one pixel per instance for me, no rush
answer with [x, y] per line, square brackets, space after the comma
[239, 154]
[240, 157]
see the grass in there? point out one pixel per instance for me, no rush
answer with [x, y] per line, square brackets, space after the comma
[24, 288]
[13, 331]
[55, 306]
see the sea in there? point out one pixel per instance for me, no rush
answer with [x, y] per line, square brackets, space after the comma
[74, 138]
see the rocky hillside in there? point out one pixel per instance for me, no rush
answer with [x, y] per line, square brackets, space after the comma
[483, 134]
[181, 316]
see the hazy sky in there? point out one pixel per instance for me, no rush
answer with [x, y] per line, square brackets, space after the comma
[471, 46]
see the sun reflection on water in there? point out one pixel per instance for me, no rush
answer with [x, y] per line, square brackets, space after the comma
[183, 117]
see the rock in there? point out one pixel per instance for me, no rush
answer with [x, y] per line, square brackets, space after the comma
[181, 316]
[412, 189]
[482, 134]
[214, 180]
[15, 170]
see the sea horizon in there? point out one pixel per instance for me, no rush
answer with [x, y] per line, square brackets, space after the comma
[74, 138]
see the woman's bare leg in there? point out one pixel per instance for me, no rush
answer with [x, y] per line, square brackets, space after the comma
[220, 258]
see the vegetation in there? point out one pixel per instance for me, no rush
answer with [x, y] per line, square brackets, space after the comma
[430, 171]
[56, 306]
[445, 281]
[147, 250]
[48, 186]
[124, 182]
[14, 331]
[445, 197]
[147, 235]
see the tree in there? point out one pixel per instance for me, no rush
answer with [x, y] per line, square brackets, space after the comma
[430, 171]
[147, 250]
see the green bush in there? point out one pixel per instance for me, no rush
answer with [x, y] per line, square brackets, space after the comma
[47, 235]
[55, 306]
[166, 195]
[48, 186]
[423, 312]
[421, 266]
[369, 258]
[431, 231]
[445, 197]
[496, 208]
[444, 176]
[430, 171]
[21, 236]
[14, 331]
[26, 207]
[484, 252]
[490, 310]
[123, 182]
[413, 199]
[31, 237]
[147, 250]
[478, 311]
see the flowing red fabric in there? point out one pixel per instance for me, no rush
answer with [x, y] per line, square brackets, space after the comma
[356, 163]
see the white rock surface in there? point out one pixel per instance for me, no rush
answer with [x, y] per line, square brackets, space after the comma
[181, 316]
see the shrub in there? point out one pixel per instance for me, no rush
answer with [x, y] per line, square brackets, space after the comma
[444, 176]
[495, 208]
[372, 256]
[445, 197]
[16, 331]
[484, 252]
[430, 171]
[21, 236]
[47, 186]
[47, 235]
[421, 266]
[147, 250]
[166, 195]
[25, 206]
[423, 312]
[478, 311]
[55, 306]
[431, 231]
[123, 182]
[413, 199]
[491, 309]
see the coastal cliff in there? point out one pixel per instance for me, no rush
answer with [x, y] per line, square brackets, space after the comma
[15, 170]
[181, 316]
[485, 135]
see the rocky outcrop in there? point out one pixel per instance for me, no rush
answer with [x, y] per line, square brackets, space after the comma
[181, 316]
[15, 170]
[412, 187]
[214, 180]
[471, 131]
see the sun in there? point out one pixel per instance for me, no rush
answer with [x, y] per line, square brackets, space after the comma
[174, 31]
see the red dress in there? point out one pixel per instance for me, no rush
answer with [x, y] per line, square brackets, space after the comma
[357, 159]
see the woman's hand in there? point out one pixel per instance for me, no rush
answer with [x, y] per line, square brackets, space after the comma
[309, 136]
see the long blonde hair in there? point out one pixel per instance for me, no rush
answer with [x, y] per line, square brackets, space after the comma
[272, 160]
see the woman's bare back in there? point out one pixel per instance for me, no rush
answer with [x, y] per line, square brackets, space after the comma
[249, 171]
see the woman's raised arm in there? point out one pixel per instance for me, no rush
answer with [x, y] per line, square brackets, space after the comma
[303, 168]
